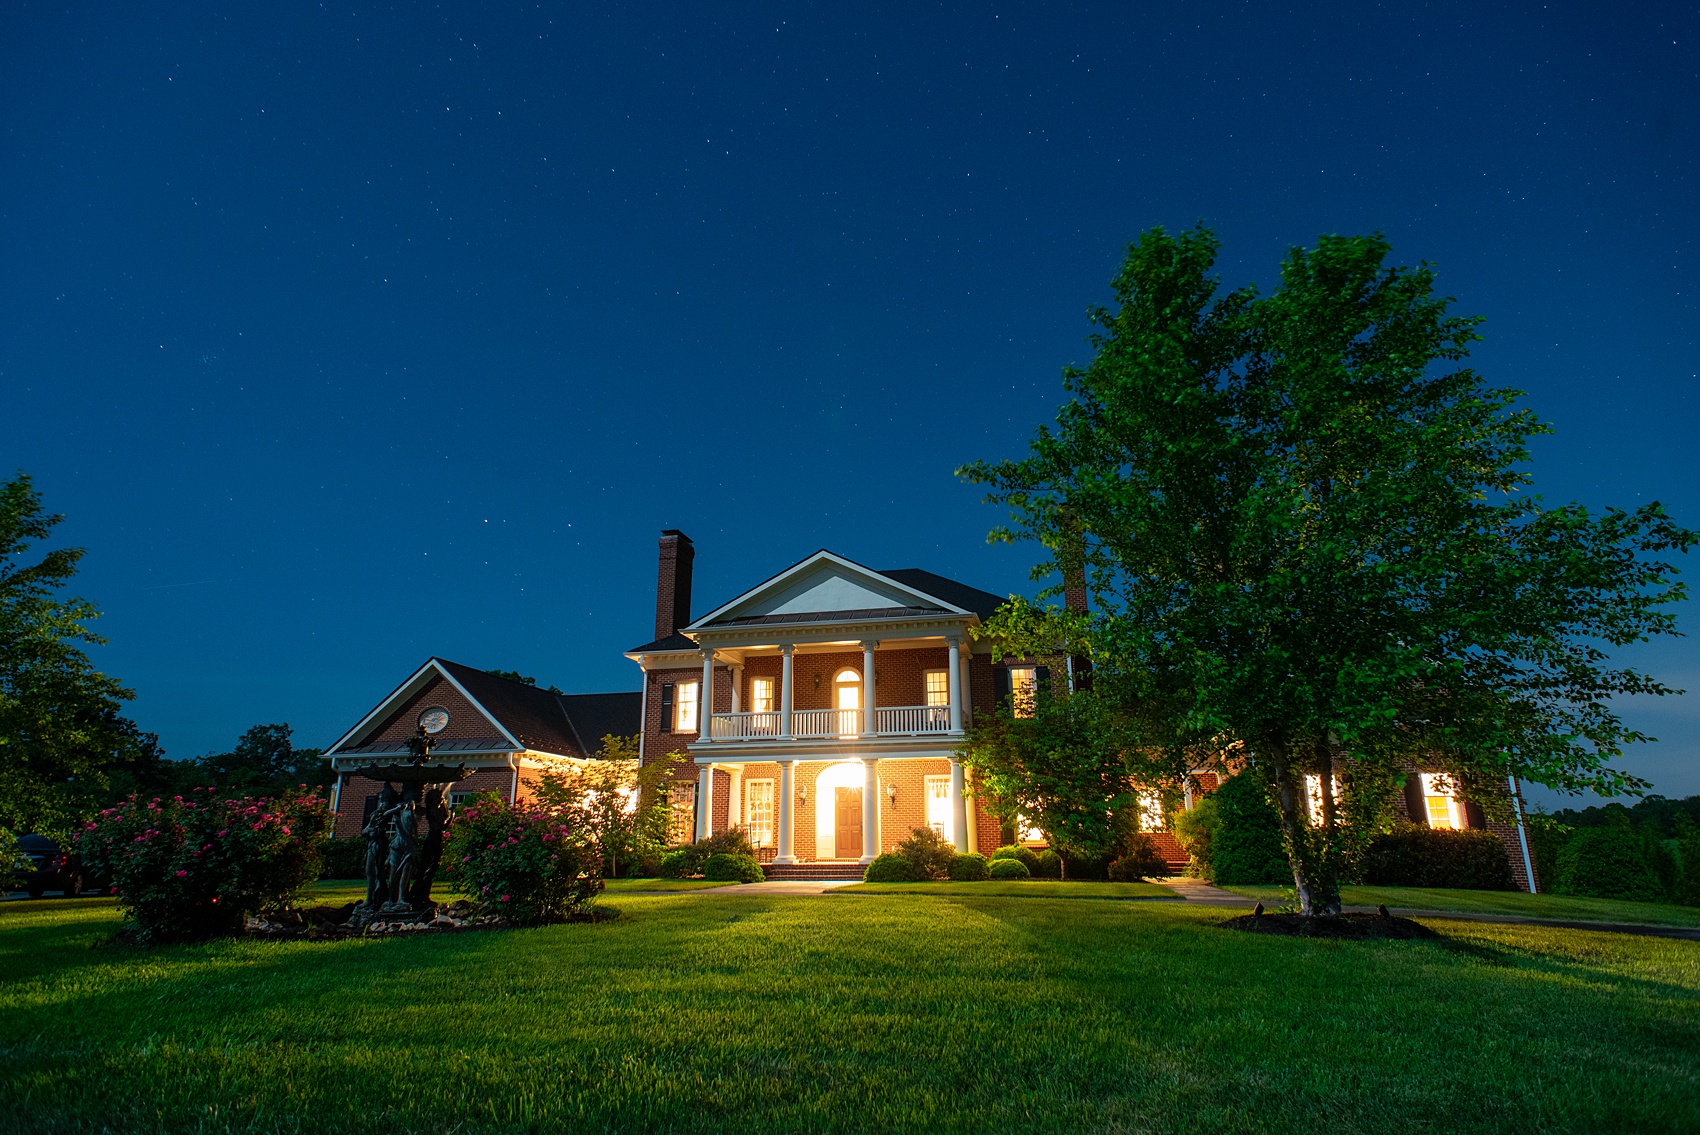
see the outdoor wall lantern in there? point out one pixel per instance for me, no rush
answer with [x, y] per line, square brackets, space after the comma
[891, 794]
[802, 795]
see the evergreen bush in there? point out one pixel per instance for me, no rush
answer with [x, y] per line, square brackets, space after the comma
[193, 866]
[1688, 862]
[892, 868]
[688, 861]
[1008, 868]
[1246, 847]
[343, 858]
[1195, 828]
[1607, 863]
[723, 867]
[968, 868]
[1050, 866]
[679, 863]
[1026, 856]
[929, 852]
[1140, 860]
[1412, 855]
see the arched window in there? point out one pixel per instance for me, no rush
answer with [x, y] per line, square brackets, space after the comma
[847, 689]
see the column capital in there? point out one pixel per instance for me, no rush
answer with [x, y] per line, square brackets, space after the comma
[787, 647]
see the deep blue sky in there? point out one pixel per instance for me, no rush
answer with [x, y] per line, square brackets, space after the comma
[346, 336]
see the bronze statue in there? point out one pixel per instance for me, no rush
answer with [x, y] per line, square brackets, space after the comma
[376, 832]
[431, 851]
[404, 849]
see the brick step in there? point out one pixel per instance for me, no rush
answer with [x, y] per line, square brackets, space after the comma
[812, 870]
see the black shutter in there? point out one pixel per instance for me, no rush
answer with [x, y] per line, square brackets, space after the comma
[1000, 686]
[1474, 819]
[1414, 802]
[371, 806]
[667, 707]
[1041, 679]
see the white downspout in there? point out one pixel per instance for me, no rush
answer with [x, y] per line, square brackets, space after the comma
[1522, 834]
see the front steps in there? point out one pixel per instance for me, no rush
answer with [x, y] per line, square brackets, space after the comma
[846, 870]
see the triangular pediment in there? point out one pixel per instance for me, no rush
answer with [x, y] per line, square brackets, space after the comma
[824, 584]
[432, 674]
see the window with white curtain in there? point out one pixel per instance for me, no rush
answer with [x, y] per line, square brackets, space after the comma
[685, 707]
[758, 812]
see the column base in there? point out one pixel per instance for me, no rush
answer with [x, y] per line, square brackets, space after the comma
[784, 860]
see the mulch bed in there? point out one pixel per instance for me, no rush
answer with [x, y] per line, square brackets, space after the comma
[1355, 927]
[330, 923]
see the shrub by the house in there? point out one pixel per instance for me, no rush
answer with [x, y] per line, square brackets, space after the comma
[1607, 863]
[1049, 865]
[969, 867]
[688, 861]
[1140, 860]
[892, 868]
[528, 865]
[343, 858]
[1195, 828]
[193, 866]
[1412, 855]
[1246, 845]
[727, 868]
[929, 852]
[1026, 856]
[1008, 869]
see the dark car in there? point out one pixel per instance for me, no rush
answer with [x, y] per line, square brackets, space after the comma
[50, 868]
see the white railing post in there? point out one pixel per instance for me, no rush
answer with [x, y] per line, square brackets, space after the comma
[785, 652]
[954, 677]
[868, 688]
[786, 822]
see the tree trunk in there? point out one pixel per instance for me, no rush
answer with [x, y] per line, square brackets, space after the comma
[1314, 879]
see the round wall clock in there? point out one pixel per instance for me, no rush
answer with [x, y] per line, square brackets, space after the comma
[434, 720]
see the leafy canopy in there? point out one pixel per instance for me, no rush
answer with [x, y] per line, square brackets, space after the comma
[1307, 533]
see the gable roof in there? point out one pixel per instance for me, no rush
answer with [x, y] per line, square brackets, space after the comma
[827, 587]
[564, 724]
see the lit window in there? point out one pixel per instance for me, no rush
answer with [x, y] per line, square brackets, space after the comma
[758, 812]
[1023, 688]
[848, 701]
[1313, 796]
[1440, 801]
[938, 806]
[938, 687]
[1026, 832]
[761, 695]
[685, 707]
[1150, 812]
[682, 812]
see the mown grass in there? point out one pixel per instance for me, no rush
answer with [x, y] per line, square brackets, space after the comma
[616, 885]
[1565, 907]
[1022, 888]
[925, 1013]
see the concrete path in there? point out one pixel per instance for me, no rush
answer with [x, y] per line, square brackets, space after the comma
[771, 887]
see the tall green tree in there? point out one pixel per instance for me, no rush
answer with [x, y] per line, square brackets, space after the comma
[63, 737]
[1309, 535]
[264, 761]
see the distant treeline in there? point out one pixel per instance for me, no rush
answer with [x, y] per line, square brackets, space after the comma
[1658, 812]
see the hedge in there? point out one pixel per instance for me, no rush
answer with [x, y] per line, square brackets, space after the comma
[1412, 855]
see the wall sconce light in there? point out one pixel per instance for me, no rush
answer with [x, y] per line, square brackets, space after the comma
[817, 681]
[802, 795]
[891, 794]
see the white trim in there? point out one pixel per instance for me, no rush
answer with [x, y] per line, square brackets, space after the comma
[406, 689]
[822, 556]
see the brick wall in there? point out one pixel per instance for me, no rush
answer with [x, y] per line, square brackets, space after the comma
[466, 722]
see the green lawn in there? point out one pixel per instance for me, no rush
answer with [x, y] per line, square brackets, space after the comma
[1502, 902]
[616, 885]
[1025, 888]
[775, 1014]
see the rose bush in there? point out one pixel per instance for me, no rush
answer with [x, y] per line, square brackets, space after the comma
[193, 866]
[529, 865]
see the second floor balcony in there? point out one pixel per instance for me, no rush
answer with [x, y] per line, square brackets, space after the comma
[830, 724]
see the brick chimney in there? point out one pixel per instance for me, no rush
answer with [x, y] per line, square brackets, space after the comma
[673, 583]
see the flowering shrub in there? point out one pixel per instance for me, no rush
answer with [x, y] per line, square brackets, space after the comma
[192, 866]
[528, 865]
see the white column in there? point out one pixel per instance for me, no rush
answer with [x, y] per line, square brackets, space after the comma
[954, 675]
[958, 806]
[870, 809]
[787, 790]
[705, 800]
[705, 699]
[967, 685]
[735, 798]
[785, 692]
[868, 688]
[737, 689]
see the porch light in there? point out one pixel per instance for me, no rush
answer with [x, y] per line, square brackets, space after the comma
[891, 793]
[802, 795]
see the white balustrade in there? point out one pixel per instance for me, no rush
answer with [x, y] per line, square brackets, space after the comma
[898, 720]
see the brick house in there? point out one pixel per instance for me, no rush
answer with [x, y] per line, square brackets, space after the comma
[507, 733]
[835, 698]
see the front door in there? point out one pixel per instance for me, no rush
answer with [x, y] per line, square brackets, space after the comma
[848, 823]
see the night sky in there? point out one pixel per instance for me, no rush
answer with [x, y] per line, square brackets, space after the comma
[349, 335]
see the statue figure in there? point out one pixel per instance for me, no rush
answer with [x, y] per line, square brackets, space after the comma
[376, 832]
[404, 849]
[431, 851]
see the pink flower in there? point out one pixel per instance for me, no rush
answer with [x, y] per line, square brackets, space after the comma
[504, 898]
[224, 833]
[180, 874]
